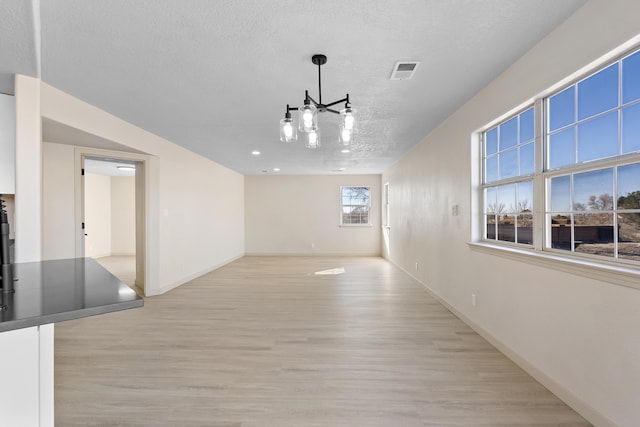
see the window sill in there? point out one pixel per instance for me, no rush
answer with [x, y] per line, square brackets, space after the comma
[355, 225]
[618, 275]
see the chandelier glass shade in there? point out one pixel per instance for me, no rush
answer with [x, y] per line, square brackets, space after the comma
[308, 116]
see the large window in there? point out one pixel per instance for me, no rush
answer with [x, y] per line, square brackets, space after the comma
[356, 205]
[587, 177]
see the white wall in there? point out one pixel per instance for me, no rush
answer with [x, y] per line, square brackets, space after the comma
[195, 206]
[97, 215]
[28, 224]
[58, 223]
[300, 215]
[123, 215]
[579, 336]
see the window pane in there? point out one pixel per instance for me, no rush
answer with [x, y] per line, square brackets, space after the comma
[593, 234]
[598, 93]
[631, 78]
[508, 164]
[598, 138]
[506, 228]
[491, 142]
[524, 197]
[524, 228]
[561, 109]
[593, 191]
[490, 200]
[561, 193]
[491, 169]
[560, 230]
[561, 148]
[526, 125]
[509, 133]
[629, 186]
[527, 159]
[629, 236]
[491, 227]
[631, 129]
[506, 199]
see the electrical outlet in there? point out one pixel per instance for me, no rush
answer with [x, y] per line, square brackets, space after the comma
[454, 210]
[474, 300]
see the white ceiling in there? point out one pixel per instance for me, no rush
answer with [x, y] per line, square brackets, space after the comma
[109, 167]
[215, 76]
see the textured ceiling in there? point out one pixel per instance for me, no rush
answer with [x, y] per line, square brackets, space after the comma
[215, 76]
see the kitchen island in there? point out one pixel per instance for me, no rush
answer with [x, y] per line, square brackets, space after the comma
[47, 292]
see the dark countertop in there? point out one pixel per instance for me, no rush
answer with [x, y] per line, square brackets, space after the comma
[54, 291]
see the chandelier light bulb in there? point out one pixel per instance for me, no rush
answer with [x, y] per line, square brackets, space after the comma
[313, 139]
[348, 121]
[346, 135]
[288, 130]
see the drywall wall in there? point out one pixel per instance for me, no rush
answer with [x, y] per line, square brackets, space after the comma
[28, 224]
[300, 215]
[123, 215]
[58, 220]
[195, 207]
[97, 215]
[577, 335]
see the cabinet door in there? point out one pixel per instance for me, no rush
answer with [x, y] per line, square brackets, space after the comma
[19, 371]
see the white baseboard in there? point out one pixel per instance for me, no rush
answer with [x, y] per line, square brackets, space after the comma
[314, 254]
[564, 394]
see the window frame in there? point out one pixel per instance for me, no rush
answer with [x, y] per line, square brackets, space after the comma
[368, 205]
[614, 270]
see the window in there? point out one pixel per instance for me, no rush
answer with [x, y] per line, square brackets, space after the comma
[508, 166]
[588, 176]
[386, 205]
[355, 205]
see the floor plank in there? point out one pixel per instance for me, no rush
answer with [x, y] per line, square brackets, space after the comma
[264, 341]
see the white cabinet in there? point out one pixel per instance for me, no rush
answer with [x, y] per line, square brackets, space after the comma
[20, 366]
[7, 144]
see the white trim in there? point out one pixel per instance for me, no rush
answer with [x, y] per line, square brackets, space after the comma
[618, 275]
[564, 394]
[314, 254]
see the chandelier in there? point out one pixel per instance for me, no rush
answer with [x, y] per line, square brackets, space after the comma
[308, 116]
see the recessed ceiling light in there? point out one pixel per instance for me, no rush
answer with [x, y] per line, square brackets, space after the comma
[346, 150]
[264, 171]
[339, 170]
[255, 152]
[127, 168]
[276, 169]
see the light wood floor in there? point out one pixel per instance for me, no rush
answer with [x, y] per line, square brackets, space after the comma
[265, 342]
[121, 266]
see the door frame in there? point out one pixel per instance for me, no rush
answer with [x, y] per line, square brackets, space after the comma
[145, 254]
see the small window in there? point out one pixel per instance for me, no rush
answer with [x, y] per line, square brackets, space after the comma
[356, 204]
[386, 205]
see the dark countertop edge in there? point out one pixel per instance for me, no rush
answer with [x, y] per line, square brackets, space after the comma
[69, 315]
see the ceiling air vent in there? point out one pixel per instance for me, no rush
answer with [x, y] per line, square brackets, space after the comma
[404, 70]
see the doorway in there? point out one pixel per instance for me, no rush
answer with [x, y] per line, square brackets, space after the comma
[111, 213]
